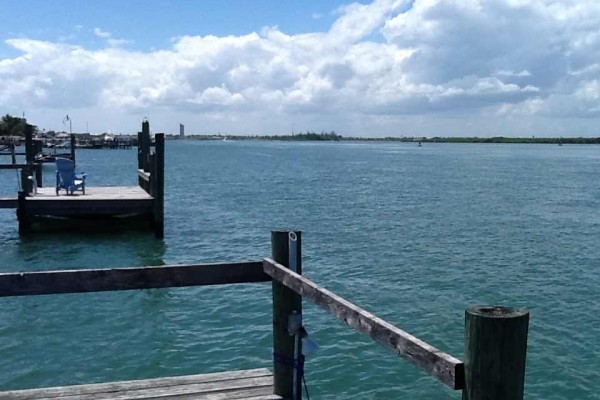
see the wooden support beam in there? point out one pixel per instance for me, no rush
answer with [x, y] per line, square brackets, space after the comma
[73, 145]
[22, 217]
[29, 149]
[99, 280]
[145, 145]
[436, 363]
[495, 353]
[13, 166]
[8, 202]
[158, 186]
[285, 302]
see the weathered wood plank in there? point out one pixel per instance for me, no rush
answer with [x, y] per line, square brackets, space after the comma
[436, 363]
[226, 389]
[98, 280]
[257, 383]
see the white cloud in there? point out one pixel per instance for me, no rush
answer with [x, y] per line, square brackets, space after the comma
[381, 65]
[102, 34]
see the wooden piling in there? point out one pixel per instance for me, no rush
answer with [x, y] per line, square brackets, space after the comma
[139, 148]
[73, 144]
[22, 217]
[13, 154]
[285, 302]
[495, 352]
[145, 145]
[29, 150]
[158, 185]
[38, 146]
[26, 184]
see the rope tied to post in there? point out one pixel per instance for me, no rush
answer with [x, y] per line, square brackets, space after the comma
[282, 359]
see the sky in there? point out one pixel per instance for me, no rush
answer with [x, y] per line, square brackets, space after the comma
[381, 68]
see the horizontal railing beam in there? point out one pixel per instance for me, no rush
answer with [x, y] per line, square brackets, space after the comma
[436, 363]
[8, 202]
[99, 280]
[14, 166]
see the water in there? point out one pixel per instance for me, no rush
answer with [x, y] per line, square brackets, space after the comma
[412, 234]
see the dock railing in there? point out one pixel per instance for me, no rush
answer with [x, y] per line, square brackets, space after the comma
[495, 337]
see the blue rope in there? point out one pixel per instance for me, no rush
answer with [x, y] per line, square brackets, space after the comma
[298, 365]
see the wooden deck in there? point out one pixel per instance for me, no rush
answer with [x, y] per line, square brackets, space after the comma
[97, 201]
[254, 384]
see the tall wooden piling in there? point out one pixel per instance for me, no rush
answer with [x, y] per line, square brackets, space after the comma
[145, 146]
[73, 145]
[29, 150]
[158, 185]
[495, 352]
[22, 217]
[285, 302]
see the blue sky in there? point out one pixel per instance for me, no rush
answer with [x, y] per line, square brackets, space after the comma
[150, 24]
[373, 68]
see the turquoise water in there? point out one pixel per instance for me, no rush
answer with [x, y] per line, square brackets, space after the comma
[412, 234]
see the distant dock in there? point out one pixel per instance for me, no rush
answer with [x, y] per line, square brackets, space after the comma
[38, 205]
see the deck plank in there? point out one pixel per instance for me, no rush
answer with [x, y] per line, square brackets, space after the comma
[253, 384]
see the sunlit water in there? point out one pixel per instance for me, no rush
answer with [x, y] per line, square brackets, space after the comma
[412, 234]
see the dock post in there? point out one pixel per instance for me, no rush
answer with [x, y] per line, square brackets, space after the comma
[73, 144]
[26, 184]
[13, 155]
[495, 353]
[29, 150]
[24, 222]
[145, 145]
[139, 153]
[157, 176]
[38, 146]
[285, 303]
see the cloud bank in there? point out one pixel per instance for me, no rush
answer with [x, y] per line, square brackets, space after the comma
[421, 67]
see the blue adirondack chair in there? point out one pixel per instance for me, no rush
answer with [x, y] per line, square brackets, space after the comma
[66, 178]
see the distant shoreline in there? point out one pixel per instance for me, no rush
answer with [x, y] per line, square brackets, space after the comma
[332, 137]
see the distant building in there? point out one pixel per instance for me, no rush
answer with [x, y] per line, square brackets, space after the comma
[181, 130]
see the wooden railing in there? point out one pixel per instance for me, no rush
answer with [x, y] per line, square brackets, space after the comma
[495, 337]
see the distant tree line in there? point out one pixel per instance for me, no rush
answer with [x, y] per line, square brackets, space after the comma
[12, 126]
[308, 136]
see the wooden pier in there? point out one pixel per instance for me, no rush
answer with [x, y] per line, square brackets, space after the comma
[39, 207]
[495, 337]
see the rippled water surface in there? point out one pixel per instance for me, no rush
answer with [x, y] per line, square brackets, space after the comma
[412, 234]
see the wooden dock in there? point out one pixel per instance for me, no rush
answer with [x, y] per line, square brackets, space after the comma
[37, 204]
[254, 384]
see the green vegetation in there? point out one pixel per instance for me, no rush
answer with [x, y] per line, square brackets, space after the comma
[332, 136]
[12, 126]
